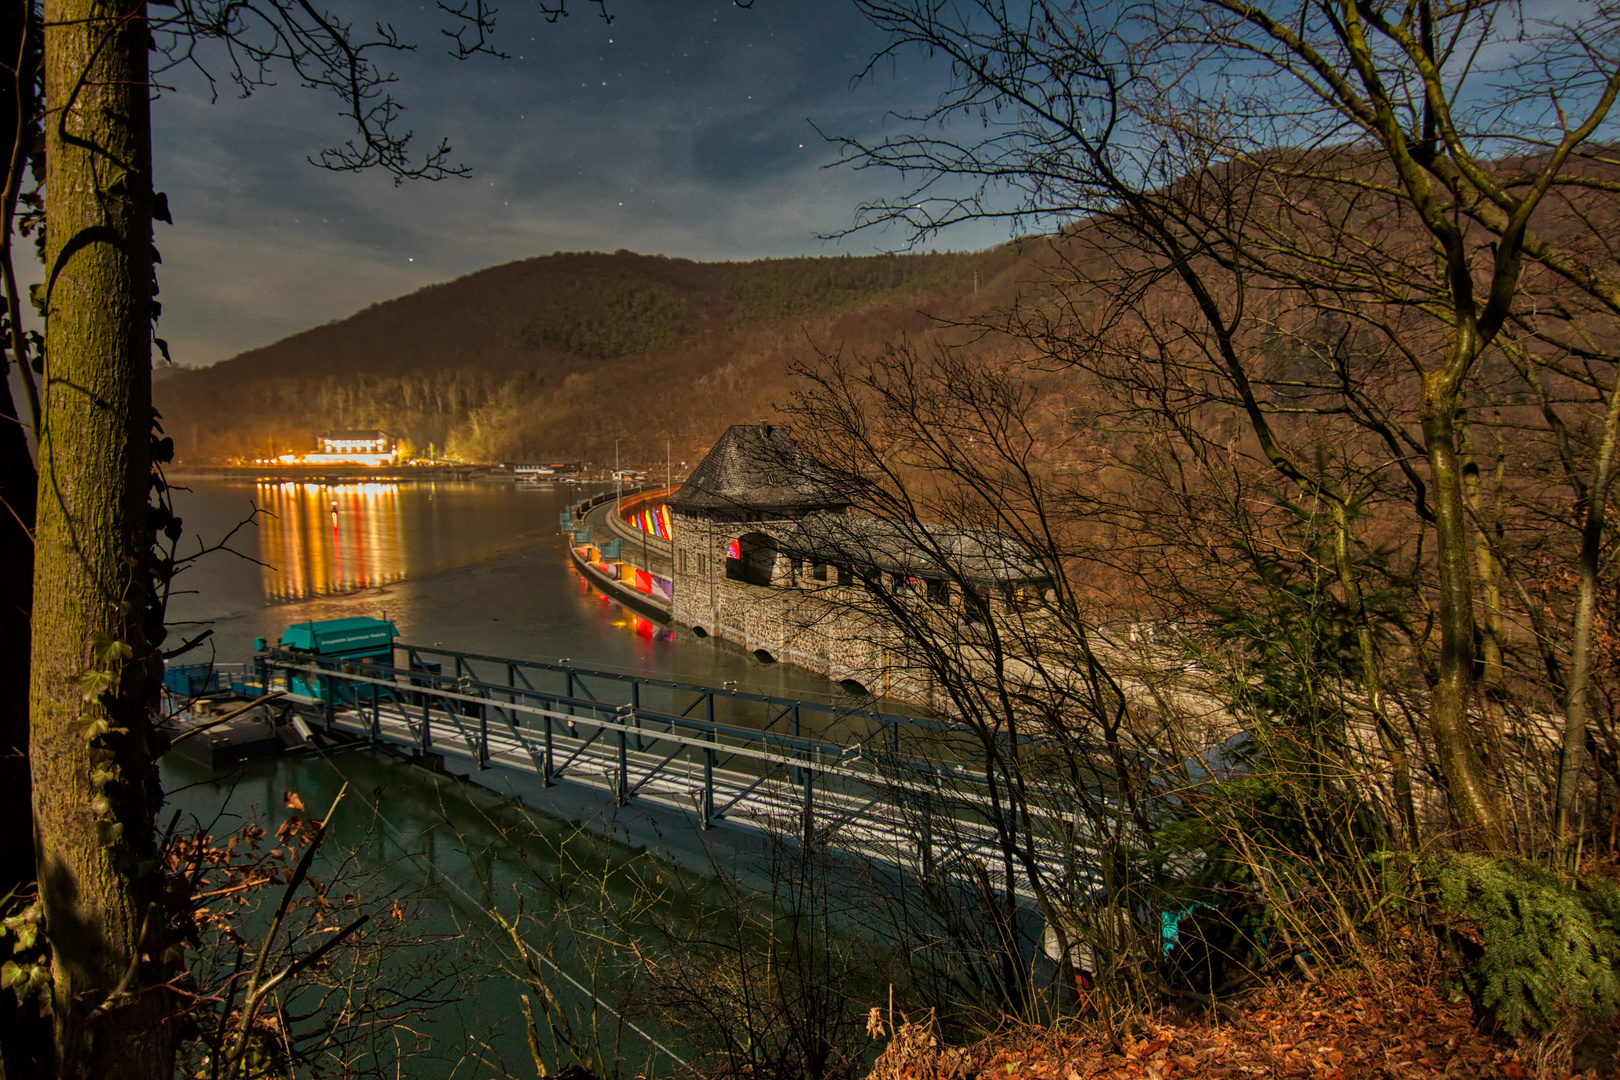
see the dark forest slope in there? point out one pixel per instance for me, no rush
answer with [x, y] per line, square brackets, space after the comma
[559, 356]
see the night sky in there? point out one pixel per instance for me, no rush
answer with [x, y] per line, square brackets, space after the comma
[681, 128]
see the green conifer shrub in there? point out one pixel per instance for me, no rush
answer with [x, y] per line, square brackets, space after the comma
[1549, 945]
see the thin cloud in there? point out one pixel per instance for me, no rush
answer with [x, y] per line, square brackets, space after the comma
[681, 132]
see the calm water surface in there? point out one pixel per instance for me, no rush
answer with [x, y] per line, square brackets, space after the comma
[442, 849]
[479, 567]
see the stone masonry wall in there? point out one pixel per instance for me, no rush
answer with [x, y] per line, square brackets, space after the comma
[793, 627]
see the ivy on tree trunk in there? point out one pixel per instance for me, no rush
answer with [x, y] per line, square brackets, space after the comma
[95, 788]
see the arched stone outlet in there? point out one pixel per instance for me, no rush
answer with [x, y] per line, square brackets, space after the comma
[700, 631]
[854, 686]
[764, 656]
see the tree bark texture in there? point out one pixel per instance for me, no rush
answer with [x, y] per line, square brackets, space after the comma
[1486, 537]
[1390, 737]
[1473, 804]
[1577, 700]
[95, 786]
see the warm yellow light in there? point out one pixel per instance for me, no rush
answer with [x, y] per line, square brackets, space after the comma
[375, 461]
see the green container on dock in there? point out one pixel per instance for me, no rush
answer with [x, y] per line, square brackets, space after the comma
[361, 639]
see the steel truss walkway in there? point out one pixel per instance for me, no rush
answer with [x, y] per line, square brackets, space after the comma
[905, 789]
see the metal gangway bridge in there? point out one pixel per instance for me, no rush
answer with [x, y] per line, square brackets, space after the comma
[910, 790]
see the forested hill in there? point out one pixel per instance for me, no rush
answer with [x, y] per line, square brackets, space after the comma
[556, 357]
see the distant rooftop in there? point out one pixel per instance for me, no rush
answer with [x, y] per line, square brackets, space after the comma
[757, 467]
[357, 435]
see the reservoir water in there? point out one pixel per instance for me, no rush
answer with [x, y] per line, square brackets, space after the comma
[478, 567]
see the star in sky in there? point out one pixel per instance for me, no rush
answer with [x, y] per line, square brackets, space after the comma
[708, 118]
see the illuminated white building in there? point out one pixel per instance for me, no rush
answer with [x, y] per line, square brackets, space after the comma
[367, 447]
[356, 442]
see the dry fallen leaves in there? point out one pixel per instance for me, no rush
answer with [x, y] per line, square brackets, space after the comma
[1351, 1028]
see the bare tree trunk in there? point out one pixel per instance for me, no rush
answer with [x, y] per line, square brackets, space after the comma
[95, 787]
[1390, 737]
[1473, 806]
[1485, 561]
[1577, 705]
[1577, 692]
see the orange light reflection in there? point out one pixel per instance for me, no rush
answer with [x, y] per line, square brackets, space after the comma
[324, 539]
[642, 628]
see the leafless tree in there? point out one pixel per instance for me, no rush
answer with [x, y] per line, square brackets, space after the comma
[77, 92]
[1430, 176]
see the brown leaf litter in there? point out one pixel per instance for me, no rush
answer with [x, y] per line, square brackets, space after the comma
[1343, 1029]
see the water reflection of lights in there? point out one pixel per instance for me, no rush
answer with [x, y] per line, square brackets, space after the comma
[319, 540]
[623, 617]
[642, 628]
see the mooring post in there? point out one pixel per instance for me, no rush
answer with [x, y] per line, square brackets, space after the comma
[545, 780]
[708, 786]
[427, 722]
[809, 807]
[708, 768]
[798, 773]
[483, 737]
[894, 737]
[635, 705]
[622, 795]
[376, 714]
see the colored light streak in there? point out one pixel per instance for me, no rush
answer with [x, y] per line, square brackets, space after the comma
[654, 521]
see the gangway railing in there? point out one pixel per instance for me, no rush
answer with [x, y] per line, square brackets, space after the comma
[741, 707]
[878, 798]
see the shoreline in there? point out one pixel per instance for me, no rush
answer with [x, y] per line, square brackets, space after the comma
[335, 473]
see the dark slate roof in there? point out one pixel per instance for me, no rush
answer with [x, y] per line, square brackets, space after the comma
[757, 467]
